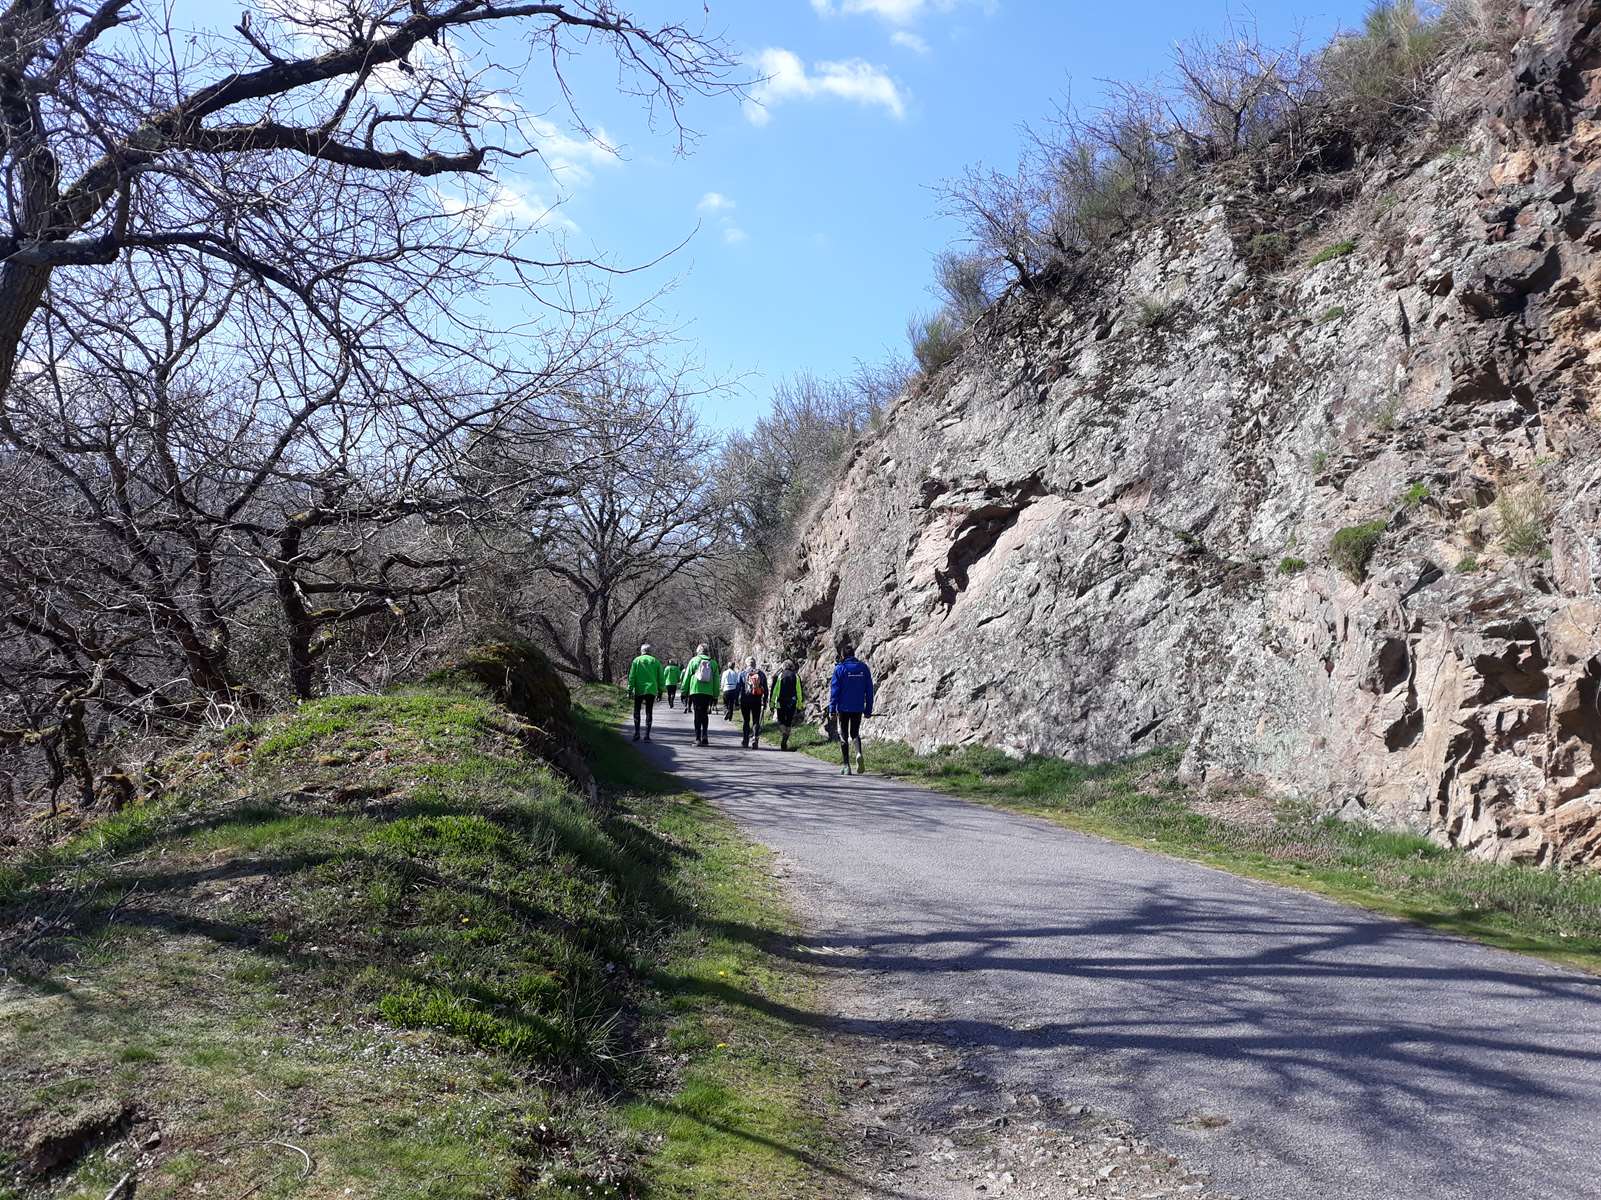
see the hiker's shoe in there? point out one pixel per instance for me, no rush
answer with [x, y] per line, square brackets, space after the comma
[647, 735]
[861, 768]
[844, 770]
[636, 735]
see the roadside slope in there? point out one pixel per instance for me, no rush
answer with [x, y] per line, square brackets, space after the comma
[379, 947]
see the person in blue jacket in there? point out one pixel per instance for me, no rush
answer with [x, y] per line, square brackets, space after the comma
[850, 698]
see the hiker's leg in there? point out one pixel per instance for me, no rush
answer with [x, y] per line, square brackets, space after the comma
[650, 714]
[845, 740]
[637, 700]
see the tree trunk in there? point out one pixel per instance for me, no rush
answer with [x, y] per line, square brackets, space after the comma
[299, 628]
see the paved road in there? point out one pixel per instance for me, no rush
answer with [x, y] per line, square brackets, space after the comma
[1351, 1057]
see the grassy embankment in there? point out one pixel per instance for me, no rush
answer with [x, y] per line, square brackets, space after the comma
[1553, 914]
[374, 948]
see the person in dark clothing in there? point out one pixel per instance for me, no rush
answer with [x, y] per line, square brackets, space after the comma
[850, 698]
[789, 701]
[752, 700]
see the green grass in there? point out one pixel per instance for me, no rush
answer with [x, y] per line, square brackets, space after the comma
[1553, 914]
[743, 1119]
[1352, 548]
[1290, 565]
[1414, 495]
[380, 922]
[1333, 313]
[1329, 253]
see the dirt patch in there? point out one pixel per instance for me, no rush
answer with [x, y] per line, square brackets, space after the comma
[921, 1124]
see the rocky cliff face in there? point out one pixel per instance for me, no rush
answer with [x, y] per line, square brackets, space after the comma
[1114, 525]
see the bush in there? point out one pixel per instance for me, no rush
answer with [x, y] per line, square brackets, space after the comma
[1320, 460]
[1330, 253]
[1523, 515]
[1415, 495]
[935, 341]
[1267, 250]
[966, 282]
[1467, 564]
[1151, 311]
[1291, 566]
[1332, 313]
[1352, 548]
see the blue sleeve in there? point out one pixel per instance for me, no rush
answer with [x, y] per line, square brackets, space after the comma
[868, 706]
[833, 690]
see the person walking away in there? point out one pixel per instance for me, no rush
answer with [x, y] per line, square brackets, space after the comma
[789, 701]
[752, 702]
[700, 689]
[646, 680]
[850, 698]
[674, 674]
[730, 692]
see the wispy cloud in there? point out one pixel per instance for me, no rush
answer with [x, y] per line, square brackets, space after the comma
[786, 77]
[908, 40]
[896, 12]
[721, 209]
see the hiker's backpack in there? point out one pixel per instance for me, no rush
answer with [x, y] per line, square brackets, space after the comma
[788, 687]
[755, 684]
[704, 672]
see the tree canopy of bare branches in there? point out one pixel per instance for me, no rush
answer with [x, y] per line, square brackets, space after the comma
[260, 394]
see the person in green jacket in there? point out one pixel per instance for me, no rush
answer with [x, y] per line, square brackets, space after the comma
[701, 681]
[789, 701]
[645, 682]
[674, 674]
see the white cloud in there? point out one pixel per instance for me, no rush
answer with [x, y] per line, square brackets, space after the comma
[714, 202]
[720, 208]
[786, 77]
[908, 40]
[734, 235]
[505, 207]
[896, 12]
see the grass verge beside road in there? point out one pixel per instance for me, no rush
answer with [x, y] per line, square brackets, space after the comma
[1555, 914]
[374, 948]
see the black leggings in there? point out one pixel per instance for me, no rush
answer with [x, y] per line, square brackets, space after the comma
[672, 693]
[750, 716]
[850, 726]
[648, 703]
[703, 720]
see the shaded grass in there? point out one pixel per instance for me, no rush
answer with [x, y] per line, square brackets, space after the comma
[379, 929]
[1551, 913]
[742, 1117]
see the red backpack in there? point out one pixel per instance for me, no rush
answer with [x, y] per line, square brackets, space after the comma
[755, 684]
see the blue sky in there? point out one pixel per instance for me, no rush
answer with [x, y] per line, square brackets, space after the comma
[816, 214]
[819, 241]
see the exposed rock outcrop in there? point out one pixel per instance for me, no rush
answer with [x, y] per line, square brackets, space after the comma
[1108, 526]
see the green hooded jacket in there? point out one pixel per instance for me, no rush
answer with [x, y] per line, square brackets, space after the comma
[645, 676]
[674, 674]
[800, 692]
[697, 687]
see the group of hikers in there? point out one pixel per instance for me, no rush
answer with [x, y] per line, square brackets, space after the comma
[753, 693]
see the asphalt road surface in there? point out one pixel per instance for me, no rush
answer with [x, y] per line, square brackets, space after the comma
[1292, 1046]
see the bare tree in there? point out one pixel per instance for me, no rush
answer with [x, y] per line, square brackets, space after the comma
[252, 409]
[642, 514]
[222, 146]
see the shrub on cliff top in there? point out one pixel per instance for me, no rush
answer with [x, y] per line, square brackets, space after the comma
[1352, 548]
